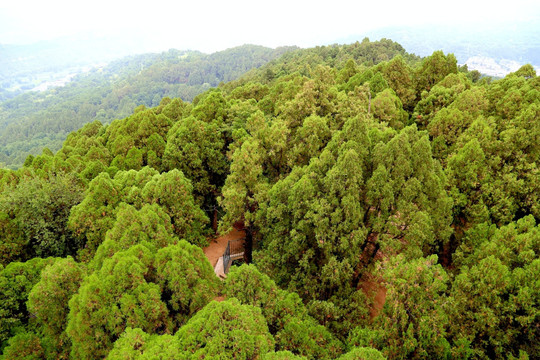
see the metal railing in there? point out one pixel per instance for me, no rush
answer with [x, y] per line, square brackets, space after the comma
[233, 251]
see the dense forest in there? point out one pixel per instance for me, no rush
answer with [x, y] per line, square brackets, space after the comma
[390, 205]
[35, 120]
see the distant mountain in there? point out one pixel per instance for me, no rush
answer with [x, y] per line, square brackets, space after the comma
[25, 67]
[33, 120]
[479, 46]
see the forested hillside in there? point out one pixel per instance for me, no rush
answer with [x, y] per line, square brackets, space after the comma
[517, 42]
[35, 120]
[390, 205]
[27, 65]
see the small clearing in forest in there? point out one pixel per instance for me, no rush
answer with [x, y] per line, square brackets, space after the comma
[218, 245]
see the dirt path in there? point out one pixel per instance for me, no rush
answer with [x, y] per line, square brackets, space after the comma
[373, 289]
[217, 246]
[370, 284]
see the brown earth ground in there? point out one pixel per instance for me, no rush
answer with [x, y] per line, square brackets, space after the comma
[216, 248]
[370, 284]
[373, 289]
[218, 245]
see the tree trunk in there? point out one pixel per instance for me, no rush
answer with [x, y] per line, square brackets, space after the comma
[214, 221]
[248, 246]
[369, 250]
[446, 251]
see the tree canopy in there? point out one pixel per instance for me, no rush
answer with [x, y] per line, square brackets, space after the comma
[389, 206]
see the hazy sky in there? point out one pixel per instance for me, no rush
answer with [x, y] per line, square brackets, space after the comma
[216, 25]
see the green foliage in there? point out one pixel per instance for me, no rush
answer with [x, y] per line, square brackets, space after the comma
[487, 283]
[500, 154]
[450, 122]
[332, 209]
[433, 69]
[210, 106]
[244, 184]
[516, 244]
[12, 243]
[93, 217]
[292, 202]
[413, 320]
[186, 278]
[38, 210]
[302, 60]
[139, 288]
[362, 353]
[286, 315]
[527, 71]
[467, 170]
[284, 312]
[387, 107]
[134, 140]
[399, 76]
[171, 191]
[135, 344]
[408, 185]
[247, 284]
[24, 346]
[305, 337]
[348, 167]
[149, 224]
[113, 298]
[496, 292]
[48, 303]
[282, 355]
[197, 148]
[443, 93]
[310, 139]
[16, 281]
[226, 330]
[512, 94]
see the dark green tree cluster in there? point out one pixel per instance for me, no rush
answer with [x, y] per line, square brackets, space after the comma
[34, 214]
[16, 282]
[106, 197]
[139, 287]
[286, 315]
[389, 203]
